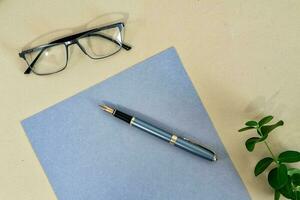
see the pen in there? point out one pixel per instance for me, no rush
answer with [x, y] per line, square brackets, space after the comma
[176, 140]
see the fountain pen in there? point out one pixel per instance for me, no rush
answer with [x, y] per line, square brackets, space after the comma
[173, 139]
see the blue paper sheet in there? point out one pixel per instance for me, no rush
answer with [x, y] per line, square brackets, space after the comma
[89, 155]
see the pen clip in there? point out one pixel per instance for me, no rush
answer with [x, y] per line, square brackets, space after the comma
[197, 144]
[193, 142]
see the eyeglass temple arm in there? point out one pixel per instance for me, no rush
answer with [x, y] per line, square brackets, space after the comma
[29, 69]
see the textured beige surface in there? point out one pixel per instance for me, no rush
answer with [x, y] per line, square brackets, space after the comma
[242, 56]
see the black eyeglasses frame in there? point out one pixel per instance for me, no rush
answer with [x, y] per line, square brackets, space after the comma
[70, 40]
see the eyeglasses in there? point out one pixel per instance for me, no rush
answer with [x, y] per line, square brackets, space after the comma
[97, 43]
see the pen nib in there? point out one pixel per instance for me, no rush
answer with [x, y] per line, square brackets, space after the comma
[107, 109]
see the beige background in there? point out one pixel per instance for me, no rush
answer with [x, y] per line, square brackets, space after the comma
[242, 56]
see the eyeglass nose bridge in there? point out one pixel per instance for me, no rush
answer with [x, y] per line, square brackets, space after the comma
[72, 42]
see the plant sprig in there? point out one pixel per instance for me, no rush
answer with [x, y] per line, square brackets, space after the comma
[284, 181]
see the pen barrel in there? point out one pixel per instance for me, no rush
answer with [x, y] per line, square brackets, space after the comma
[178, 141]
[150, 129]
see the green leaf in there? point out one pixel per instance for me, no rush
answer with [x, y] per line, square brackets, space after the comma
[251, 123]
[265, 130]
[289, 157]
[245, 129]
[278, 177]
[287, 189]
[297, 195]
[265, 120]
[296, 179]
[258, 132]
[262, 165]
[263, 138]
[292, 171]
[250, 143]
[276, 195]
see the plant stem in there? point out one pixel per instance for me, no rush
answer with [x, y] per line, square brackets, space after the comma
[273, 156]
